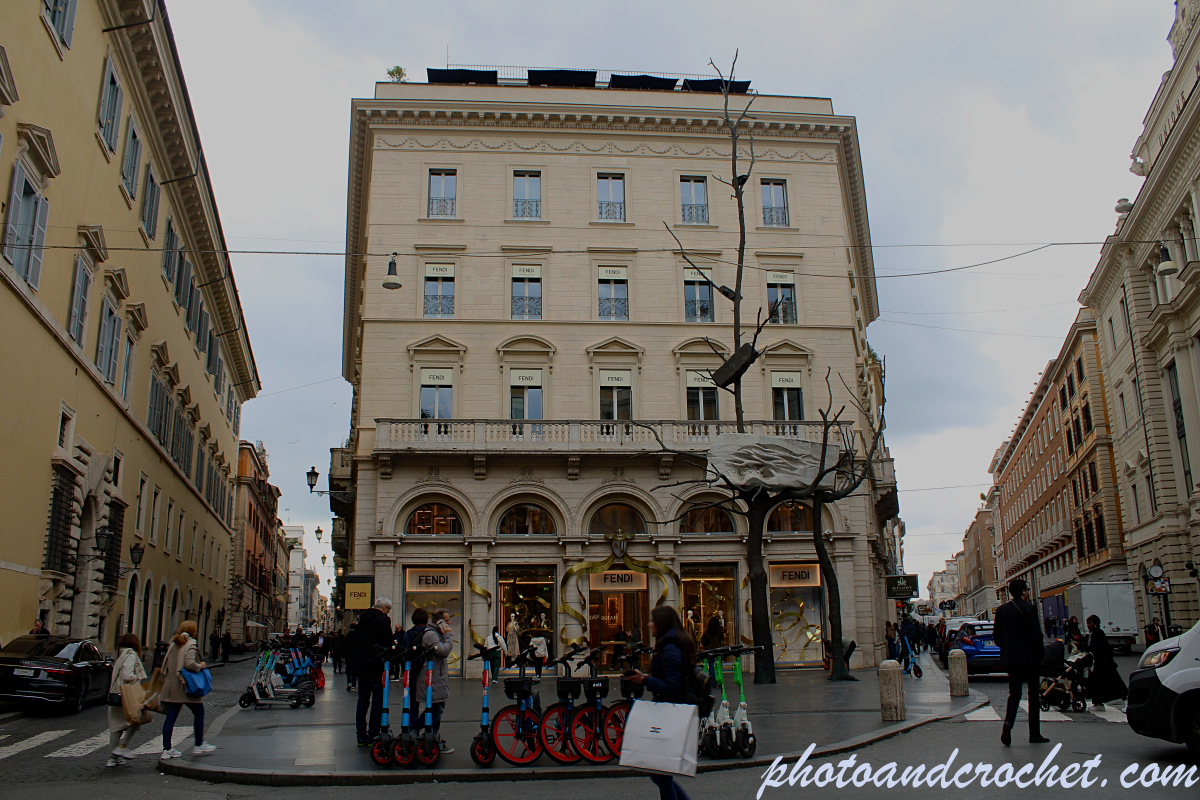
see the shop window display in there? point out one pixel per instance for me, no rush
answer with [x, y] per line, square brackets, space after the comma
[617, 517]
[710, 602]
[790, 516]
[797, 614]
[526, 519]
[434, 519]
[706, 520]
[423, 592]
[526, 607]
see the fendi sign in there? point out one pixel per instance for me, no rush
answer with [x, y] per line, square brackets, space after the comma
[795, 576]
[618, 580]
[432, 580]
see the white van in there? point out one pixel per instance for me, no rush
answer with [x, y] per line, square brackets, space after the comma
[1164, 691]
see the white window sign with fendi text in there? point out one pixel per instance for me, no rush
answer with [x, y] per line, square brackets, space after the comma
[432, 580]
[527, 271]
[695, 275]
[618, 580]
[785, 380]
[781, 277]
[613, 273]
[443, 376]
[795, 576]
[525, 377]
[615, 377]
[439, 270]
[697, 378]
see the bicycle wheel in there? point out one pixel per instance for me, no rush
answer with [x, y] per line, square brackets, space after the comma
[614, 725]
[482, 752]
[555, 734]
[429, 751]
[381, 753]
[515, 736]
[403, 751]
[587, 735]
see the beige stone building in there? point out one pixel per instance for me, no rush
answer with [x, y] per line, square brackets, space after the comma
[494, 464]
[127, 354]
[979, 567]
[255, 607]
[1148, 317]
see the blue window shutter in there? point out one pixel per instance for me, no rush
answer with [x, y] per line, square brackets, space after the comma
[102, 112]
[114, 347]
[113, 125]
[14, 212]
[69, 23]
[102, 339]
[39, 242]
[79, 302]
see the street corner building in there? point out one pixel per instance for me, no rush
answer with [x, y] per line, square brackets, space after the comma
[127, 355]
[1145, 297]
[521, 330]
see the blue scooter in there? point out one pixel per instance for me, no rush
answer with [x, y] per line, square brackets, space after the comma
[381, 750]
[428, 748]
[482, 751]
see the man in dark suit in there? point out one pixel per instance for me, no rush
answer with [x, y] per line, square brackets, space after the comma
[1018, 633]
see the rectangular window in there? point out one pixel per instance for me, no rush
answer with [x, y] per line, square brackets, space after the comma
[171, 252]
[774, 200]
[1180, 430]
[25, 227]
[702, 403]
[1062, 397]
[200, 467]
[1112, 332]
[1092, 475]
[1086, 411]
[613, 292]
[1124, 411]
[1078, 431]
[1137, 509]
[110, 107]
[1075, 492]
[693, 201]
[108, 345]
[1079, 369]
[443, 190]
[437, 394]
[167, 529]
[439, 297]
[781, 302]
[141, 505]
[127, 369]
[76, 323]
[237, 418]
[697, 297]
[527, 195]
[133, 155]
[786, 396]
[1070, 385]
[58, 556]
[616, 394]
[525, 402]
[1137, 395]
[527, 291]
[154, 504]
[610, 196]
[150, 204]
[61, 15]
[1150, 496]
[1101, 536]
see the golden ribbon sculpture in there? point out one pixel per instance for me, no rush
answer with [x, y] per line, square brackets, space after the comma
[619, 540]
[486, 595]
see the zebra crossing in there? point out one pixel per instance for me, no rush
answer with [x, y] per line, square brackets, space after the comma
[84, 747]
[990, 714]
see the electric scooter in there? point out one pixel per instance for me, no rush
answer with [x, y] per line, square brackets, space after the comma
[404, 747]
[716, 730]
[743, 733]
[482, 751]
[381, 750]
[428, 750]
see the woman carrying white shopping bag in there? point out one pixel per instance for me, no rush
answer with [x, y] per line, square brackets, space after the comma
[674, 660]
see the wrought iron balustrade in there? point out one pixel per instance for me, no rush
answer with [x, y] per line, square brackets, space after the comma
[695, 213]
[610, 210]
[784, 313]
[614, 308]
[775, 216]
[698, 310]
[441, 206]
[439, 305]
[527, 209]
[526, 307]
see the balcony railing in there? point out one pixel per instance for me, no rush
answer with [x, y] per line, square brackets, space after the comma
[527, 209]
[775, 216]
[500, 435]
[695, 213]
[439, 305]
[698, 310]
[614, 308]
[441, 206]
[784, 313]
[611, 211]
[526, 307]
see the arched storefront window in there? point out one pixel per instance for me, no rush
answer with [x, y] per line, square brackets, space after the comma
[526, 519]
[614, 517]
[790, 516]
[706, 520]
[434, 519]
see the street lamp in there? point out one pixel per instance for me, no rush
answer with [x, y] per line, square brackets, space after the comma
[320, 533]
[392, 281]
[323, 559]
[312, 479]
[1165, 265]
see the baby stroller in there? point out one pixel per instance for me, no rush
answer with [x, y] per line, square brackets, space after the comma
[1064, 687]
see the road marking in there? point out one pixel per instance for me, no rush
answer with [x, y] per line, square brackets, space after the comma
[155, 744]
[983, 714]
[989, 714]
[81, 748]
[1047, 716]
[30, 743]
[1110, 714]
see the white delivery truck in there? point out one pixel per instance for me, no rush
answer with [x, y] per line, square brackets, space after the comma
[1113, 603]
[1164, 691]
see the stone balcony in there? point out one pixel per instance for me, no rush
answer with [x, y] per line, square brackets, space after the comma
[484, 436]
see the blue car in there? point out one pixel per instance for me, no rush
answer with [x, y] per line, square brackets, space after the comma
[983, 654]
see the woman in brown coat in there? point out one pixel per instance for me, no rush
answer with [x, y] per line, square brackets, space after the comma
[182, 654]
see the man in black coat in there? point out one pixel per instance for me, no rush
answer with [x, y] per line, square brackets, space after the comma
[374, 631]
[1018, 632]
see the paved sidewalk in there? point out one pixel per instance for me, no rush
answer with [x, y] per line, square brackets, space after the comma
[286, 747]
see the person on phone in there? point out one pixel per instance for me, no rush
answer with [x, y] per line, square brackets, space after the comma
[674, 659]
[440, 637]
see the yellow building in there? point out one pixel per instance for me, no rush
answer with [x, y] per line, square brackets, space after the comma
[127, 357]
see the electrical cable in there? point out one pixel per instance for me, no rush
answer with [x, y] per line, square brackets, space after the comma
[966, 330]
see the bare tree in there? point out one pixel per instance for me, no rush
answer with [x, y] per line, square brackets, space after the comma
[833, 482]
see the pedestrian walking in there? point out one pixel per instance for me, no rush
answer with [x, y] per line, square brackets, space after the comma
[127, 670]
[374, 632]
[889, 634]
[1071, 629]
[184, 653]
[226, 646]
[440, 637]
[1104, 682]
[495, 640]
[1019, 636]
[673, 661]
[540, 652]
[1155, 632]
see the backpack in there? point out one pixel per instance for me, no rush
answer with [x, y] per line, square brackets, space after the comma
[699, 691]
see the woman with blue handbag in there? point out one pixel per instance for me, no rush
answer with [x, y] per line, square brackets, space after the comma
[185, 681]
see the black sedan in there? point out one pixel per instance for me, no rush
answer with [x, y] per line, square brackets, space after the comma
[54, 669]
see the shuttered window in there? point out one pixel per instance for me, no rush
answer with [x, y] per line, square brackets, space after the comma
[183, 283]
[133, 156]
[108, 346]
[170, 252]
[25, 227]
[61, 14]
[110, 107]
[150, 204]
[79, 302]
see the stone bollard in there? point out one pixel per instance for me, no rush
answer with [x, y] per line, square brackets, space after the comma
[891, 691]
[958, 673]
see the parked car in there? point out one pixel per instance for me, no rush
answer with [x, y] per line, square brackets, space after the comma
[944, 644]
[1164, 691]
[975, 640]
[54, 669]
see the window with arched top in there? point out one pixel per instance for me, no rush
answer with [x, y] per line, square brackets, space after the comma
[434, 519]
[790, 516]
[526, 519]
[706, 520]
[616, 517]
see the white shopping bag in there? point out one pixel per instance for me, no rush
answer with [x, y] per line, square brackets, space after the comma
[661, 737]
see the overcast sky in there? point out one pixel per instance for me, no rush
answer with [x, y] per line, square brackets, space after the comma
[986, 129]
